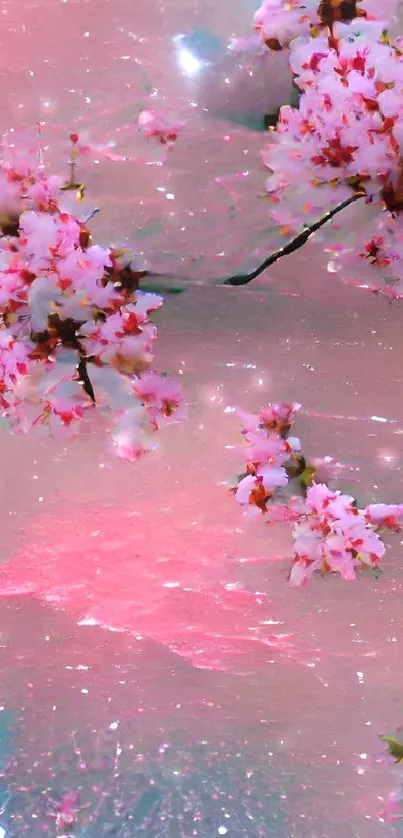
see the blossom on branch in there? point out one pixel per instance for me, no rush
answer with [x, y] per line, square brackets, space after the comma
[345, 138]
[75, 333]
[279, 22]
[330, 533]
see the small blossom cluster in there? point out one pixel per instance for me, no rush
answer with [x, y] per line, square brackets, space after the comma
[270, 455]
[331, 534]
[68, 306]
[345, 139]
[158, 126]
[278, 22]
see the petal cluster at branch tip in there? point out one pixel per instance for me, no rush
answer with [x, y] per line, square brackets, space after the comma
[330, 533]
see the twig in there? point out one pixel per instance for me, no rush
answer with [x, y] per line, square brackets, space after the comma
[85, 379]
[298, 241]
[293, 245]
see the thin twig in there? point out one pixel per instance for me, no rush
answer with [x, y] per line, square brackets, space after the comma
[85, 379]
[293, 245]
[298, 241]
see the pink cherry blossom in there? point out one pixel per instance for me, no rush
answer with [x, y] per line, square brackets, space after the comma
[265, 448]
[334, 536]
[161, 396]
[345, 138]
[44, 192]
[331, 534]
[279, 22]
[269, 448]
[319, 498]
[301, 572]
[308, 541]
[159, 126]
[132, 436]
[84, 268]
[245, 487]
[74, 328]
[279, 417]
[272, 477]
[388, 515]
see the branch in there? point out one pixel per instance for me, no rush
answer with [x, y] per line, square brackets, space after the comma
[243, 279]
[293, 245]
[85, 379]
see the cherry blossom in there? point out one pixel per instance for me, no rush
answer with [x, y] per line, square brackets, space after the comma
[344, 141]
[161, 396]
[157, 125]
[279, 22]
[75, 333]
[385, 515]
[331, 534]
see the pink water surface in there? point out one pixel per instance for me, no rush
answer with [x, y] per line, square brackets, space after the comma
[149, 637]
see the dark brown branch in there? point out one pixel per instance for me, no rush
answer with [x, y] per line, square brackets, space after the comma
[293, 245]
[85, 379]
[286, 250]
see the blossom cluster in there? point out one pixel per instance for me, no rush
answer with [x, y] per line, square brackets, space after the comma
[330, 533]
[279, 22]
[333, 535]
[75, 332]
[345, 138]
[270, 455]
[159, 126]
